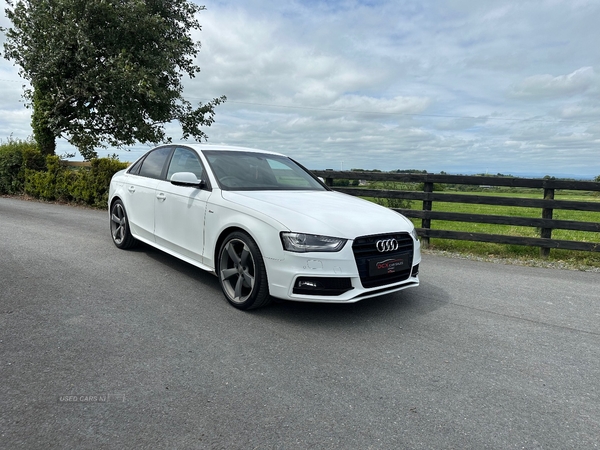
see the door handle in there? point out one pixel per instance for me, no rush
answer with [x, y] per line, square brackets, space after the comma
[161, 196]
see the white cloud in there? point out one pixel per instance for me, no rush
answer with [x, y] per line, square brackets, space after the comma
[396, 105]
[564, 85]
[580, 111]
[461, 86]
[15, 123]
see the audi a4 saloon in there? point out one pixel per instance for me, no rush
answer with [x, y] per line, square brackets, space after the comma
[263, 224]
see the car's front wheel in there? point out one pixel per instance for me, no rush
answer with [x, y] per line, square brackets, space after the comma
[119, 226]
[242, 273]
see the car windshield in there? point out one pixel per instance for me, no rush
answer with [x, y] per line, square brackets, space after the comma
[249, 171]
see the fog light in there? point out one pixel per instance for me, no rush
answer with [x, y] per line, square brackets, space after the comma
[415, 270]
[322, 286]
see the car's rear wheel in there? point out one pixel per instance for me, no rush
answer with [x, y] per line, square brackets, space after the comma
[119, 226]
[242, 273]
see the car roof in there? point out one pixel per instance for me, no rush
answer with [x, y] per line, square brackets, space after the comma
[226, 148]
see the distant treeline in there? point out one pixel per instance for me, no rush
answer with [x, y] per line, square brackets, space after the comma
[504, 175]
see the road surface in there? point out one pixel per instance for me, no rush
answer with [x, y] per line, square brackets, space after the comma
[104, 348]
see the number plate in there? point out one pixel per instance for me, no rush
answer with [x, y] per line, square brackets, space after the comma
[386, 265]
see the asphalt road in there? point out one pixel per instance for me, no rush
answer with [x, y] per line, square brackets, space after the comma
[103, 348]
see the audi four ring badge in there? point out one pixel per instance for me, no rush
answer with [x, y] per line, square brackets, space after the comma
[387, 245]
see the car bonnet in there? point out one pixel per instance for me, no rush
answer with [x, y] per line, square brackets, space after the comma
[321, 212]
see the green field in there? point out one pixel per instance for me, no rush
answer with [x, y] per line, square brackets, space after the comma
[576, 258]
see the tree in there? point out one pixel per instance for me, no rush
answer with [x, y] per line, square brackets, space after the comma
[107, 71]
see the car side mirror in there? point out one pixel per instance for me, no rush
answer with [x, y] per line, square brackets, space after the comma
[187, 179]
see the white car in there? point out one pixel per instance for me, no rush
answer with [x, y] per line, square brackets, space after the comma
[263, 224]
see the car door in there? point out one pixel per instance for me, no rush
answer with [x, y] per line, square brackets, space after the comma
[141, 192]
[180, 210]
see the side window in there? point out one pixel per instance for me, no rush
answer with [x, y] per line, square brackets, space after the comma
[155, 161]
[185, 160]
[135, 169]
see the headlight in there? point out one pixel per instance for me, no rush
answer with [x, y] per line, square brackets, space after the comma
[414, 234]
[300, 242]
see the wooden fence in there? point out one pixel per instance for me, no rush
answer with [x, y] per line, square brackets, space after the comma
[77, 163]
[547, 204]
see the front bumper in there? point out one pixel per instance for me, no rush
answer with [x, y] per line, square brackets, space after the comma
[339, 273]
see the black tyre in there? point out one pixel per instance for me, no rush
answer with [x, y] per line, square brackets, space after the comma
[242, 272]
[119, 226]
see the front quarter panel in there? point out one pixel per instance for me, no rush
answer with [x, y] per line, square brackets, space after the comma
[116, 185]
[223, 216]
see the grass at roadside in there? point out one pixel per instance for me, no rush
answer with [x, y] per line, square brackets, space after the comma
[572, 259]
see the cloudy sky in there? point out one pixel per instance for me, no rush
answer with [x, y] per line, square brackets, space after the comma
[462, 86]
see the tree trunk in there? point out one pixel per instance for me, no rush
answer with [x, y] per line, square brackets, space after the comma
[42, 133]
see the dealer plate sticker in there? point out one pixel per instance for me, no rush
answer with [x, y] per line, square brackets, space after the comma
[385, 266]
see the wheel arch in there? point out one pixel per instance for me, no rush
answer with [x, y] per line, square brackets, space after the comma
[113, 200]
[224, 233]
[268, 242]
[263, 233]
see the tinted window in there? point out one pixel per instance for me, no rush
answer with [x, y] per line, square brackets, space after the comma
[259, 171]
[155, 161]
[185, 160]
[135, 169]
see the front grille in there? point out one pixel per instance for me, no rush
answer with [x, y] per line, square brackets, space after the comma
[365, 250]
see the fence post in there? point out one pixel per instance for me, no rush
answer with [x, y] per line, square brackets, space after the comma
[427, 205]
[329, 180]
[546, 214]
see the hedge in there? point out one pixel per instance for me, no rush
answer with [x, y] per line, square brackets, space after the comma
[88, 185]
[23, 169]
[16, 157]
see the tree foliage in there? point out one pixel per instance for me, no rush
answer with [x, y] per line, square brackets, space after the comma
[107, 71]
